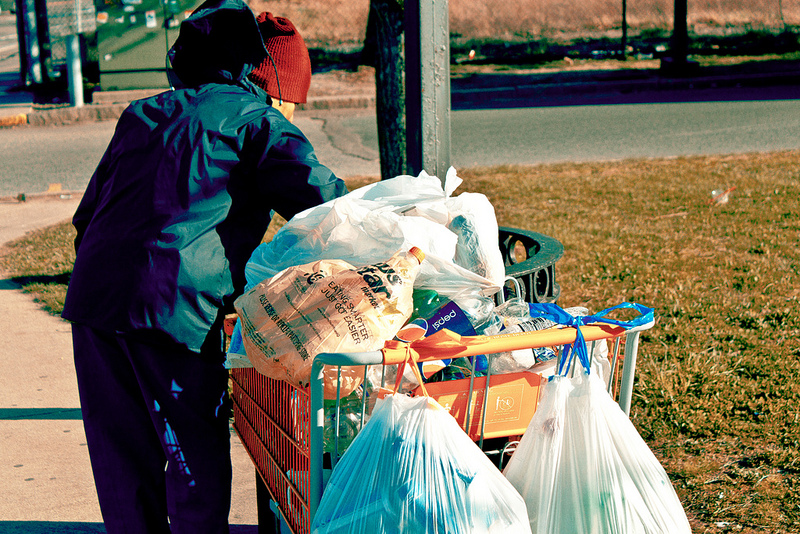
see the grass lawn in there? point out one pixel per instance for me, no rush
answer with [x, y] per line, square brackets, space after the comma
[716, 397]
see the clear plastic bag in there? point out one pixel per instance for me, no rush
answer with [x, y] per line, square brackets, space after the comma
[582, 467]
[413, 470]
[370, 223]
[325, 306]
[516, 317]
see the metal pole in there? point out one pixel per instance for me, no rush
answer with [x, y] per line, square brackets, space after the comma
[32, 70]
[74, 74]
[624, 29]
[43, 41]
[427, 31]
[628, 372]
[74, 62]
[316, 401]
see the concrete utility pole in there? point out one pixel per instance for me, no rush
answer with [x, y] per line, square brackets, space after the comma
[427, 44]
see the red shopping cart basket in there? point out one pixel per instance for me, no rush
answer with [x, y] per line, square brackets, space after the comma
[282, 426]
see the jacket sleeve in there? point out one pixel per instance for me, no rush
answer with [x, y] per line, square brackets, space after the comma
[292, 175]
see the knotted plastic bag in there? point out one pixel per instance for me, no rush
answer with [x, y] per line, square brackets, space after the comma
[413, 470]
[582, 467]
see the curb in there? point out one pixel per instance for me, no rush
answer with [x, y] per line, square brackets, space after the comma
[46, 195]
[13, 120]
[110, 107]
[472, 91]
[552, 92]
[339, 102]
[71, 115]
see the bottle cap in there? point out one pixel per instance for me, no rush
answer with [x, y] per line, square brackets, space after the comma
[417, 253]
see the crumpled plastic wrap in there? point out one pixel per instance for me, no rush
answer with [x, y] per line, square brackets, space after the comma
[372, 222]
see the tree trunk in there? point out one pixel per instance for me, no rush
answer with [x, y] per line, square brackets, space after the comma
[390, 96]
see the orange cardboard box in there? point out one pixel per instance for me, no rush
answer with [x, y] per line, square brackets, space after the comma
[510, 405]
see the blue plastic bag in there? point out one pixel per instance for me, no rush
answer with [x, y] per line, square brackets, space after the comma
[413, 470]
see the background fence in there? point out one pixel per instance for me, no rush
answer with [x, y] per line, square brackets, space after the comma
[536, 31]
[129, 46]
[327, 23]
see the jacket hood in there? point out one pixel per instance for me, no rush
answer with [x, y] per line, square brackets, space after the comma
[219, 43]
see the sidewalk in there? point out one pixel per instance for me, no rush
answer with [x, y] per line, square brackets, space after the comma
[44, 464]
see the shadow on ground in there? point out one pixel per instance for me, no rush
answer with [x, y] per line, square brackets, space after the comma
[75, 527]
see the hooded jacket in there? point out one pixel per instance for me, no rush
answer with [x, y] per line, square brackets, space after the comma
[185, 190]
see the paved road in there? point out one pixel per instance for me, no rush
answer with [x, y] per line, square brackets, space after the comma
[347, 141]
[33, 158]
[611, 132]
[9, 49]
[8, 36]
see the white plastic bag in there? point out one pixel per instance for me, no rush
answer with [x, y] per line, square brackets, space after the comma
[369, 224]
[372, 222]
[413, 470]
[582, 467]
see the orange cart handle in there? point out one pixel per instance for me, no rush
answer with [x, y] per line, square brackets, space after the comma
[445, 344]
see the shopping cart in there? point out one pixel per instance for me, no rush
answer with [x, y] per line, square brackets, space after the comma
[272, 418]
[282, 426]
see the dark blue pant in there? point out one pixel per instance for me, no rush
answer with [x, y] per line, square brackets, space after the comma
[156, 417]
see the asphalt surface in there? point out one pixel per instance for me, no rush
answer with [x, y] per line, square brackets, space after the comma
[44, 465]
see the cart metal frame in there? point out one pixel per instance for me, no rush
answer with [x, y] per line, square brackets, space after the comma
[282, 426]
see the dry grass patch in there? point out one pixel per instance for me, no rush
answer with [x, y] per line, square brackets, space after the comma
[41, 262]
[343, 24]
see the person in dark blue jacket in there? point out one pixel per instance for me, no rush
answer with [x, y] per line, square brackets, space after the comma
[182, 196]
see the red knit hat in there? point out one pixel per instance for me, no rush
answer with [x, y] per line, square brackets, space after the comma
[292, 63]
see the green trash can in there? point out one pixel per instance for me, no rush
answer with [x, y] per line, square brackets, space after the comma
[531, 258]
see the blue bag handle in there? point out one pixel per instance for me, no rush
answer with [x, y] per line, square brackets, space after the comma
[554, 313]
